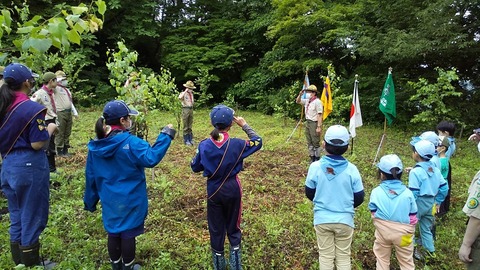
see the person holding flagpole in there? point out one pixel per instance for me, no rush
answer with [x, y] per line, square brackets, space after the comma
[314, 120]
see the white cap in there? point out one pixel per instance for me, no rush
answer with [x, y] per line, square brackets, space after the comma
[425, 149]
[431, 137]
[388, 162]
[337, 132]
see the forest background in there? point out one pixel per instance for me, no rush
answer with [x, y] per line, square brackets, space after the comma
[252, 55]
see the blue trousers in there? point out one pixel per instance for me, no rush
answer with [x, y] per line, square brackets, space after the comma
[425, 221]
[224, 211]
[25, 180]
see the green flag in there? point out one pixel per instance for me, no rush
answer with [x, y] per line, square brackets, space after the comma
[387, 100]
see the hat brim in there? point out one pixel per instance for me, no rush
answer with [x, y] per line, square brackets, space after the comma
[189, 86]
[132, 112]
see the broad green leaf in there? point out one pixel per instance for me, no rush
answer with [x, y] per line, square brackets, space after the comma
[3, 56]
[7, 18]
[73, 18]
[40, 44]
[73, 36]
[79, 10]
[81, 26]
[25, 30]
[56, 42]
[102, 7]
[57, 27]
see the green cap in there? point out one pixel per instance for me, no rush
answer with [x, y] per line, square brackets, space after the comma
[48, 76]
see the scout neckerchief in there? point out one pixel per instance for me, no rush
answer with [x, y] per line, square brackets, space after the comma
[310, 102]
[68, 92]
[190, 95]
[21, 130]
[220, 164]
[50, 94]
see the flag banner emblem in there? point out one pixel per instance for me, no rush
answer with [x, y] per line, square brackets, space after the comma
[326, 98]
[387, 101]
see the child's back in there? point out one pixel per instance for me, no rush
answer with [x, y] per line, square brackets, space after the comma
[428, 187]
[393, 210]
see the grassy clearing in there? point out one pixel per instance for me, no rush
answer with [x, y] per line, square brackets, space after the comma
[277, 218]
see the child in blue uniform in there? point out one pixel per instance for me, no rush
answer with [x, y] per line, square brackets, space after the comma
[394, 213]
[220, 157]
[335, 187]
[115, 175]
[429, 188]
[25, 173]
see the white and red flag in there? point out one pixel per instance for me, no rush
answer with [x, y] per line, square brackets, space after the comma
[355, 112]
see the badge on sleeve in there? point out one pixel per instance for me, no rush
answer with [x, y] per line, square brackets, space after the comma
[472, 203]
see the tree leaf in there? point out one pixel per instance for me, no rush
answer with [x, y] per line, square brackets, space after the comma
[102, 7]
[79, 10]
[25, 30]
[73, 36]
[39, 44]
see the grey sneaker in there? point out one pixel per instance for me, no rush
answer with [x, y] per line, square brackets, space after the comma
[417, 254]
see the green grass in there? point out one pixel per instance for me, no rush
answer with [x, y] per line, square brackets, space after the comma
[277, 218]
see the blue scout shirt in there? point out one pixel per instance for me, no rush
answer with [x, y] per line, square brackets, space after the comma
[335, 181]
[211, 153]
[392, 201]
[115, 175]
[426, 180]
[28, 116]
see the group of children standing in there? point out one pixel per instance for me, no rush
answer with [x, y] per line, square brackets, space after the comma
[335, 187]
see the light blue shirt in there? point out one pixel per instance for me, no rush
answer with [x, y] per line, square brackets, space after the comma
[451, 148]
[335, 180]
[427, 180]
[392, 201]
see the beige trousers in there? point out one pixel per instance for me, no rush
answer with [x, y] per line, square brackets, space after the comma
[389, 234]
[334, 241]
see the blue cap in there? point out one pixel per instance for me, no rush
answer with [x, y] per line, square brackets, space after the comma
[117, 109]
[388, 162]
[18, 72]
[337, 132]
[221, 115]
[425, 149]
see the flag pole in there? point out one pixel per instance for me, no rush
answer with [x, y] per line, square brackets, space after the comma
[381, 140]
[302, 107]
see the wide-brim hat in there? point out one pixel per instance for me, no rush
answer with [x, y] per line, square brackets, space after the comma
[190, 85]
[60, 75]
[312, 88]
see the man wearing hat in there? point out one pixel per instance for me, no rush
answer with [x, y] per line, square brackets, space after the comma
[45, 96]
[313, 114]
[186, 98]
[65, 111]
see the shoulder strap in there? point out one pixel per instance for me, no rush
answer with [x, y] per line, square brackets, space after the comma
[233, 167]
[22, 129]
